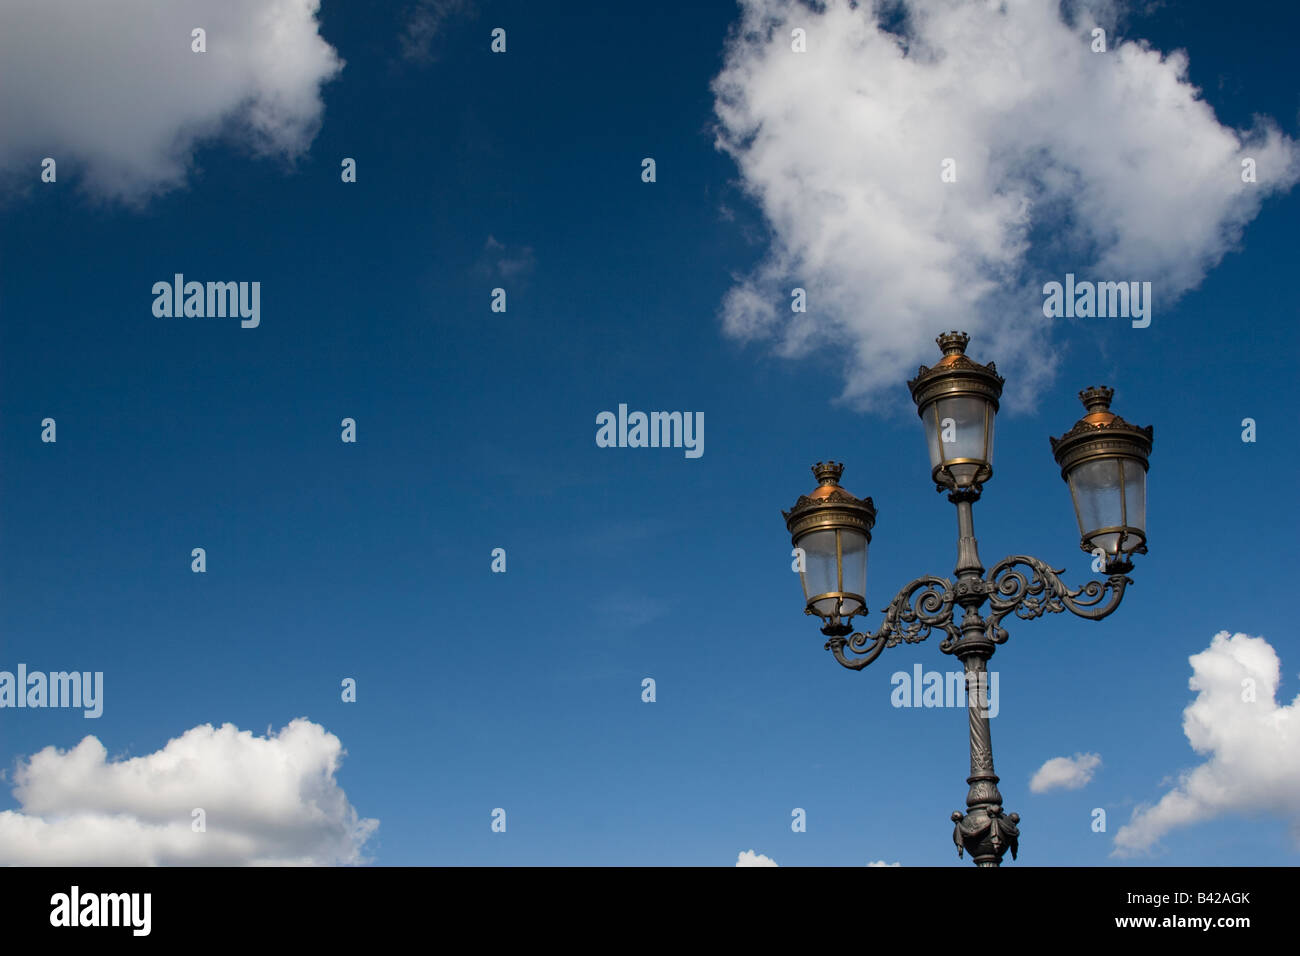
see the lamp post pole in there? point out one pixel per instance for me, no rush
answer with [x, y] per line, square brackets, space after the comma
[1104, 461]
[983, 831]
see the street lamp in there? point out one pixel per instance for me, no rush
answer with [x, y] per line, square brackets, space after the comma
[832, 530]
[1103, 460]
[957, 400]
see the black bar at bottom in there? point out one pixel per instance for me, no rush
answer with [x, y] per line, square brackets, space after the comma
[537, 905]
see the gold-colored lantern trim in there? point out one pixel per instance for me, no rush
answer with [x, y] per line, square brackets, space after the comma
[955, 373]
[830, 506]
[1100, 433]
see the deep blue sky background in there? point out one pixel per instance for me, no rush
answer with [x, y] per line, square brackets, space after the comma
[476, 430]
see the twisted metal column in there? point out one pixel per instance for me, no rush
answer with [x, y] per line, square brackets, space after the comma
[982, 830]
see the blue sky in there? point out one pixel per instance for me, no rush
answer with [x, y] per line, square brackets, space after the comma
[475, 430]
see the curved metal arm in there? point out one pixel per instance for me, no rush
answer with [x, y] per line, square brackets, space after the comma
[924, 604]
[1011, 589]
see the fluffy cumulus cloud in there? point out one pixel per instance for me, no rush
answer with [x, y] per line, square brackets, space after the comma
[270, 800]
[114, 94]
[882, 863]
[1251, 744]
[1109, 165]
[1065, 773]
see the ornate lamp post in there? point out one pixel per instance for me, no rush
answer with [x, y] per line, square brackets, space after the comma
[1102, 458]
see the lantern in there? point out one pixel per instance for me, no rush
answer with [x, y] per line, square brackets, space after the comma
[832, 529]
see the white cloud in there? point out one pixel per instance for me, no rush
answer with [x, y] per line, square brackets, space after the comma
[883, 863]
[1106, 165]
[113, 92]
[1252, 746]
[268, 800]
[1064, 773]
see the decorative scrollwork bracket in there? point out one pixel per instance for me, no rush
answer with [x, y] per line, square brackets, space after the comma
[1019, 584]
[1011, 588]
[923, 604]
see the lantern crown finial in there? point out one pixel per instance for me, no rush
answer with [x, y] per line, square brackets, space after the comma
[953, 343]
[827, 472]
[1097, 398]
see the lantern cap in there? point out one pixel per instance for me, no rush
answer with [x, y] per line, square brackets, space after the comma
[1100, 433]
[955, 374]
[830, 506]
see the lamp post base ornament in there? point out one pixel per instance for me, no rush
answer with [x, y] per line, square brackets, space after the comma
[986, 834]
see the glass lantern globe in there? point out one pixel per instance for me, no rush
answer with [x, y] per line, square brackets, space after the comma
[1104, 460]
[957, 400]
[832, 531]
